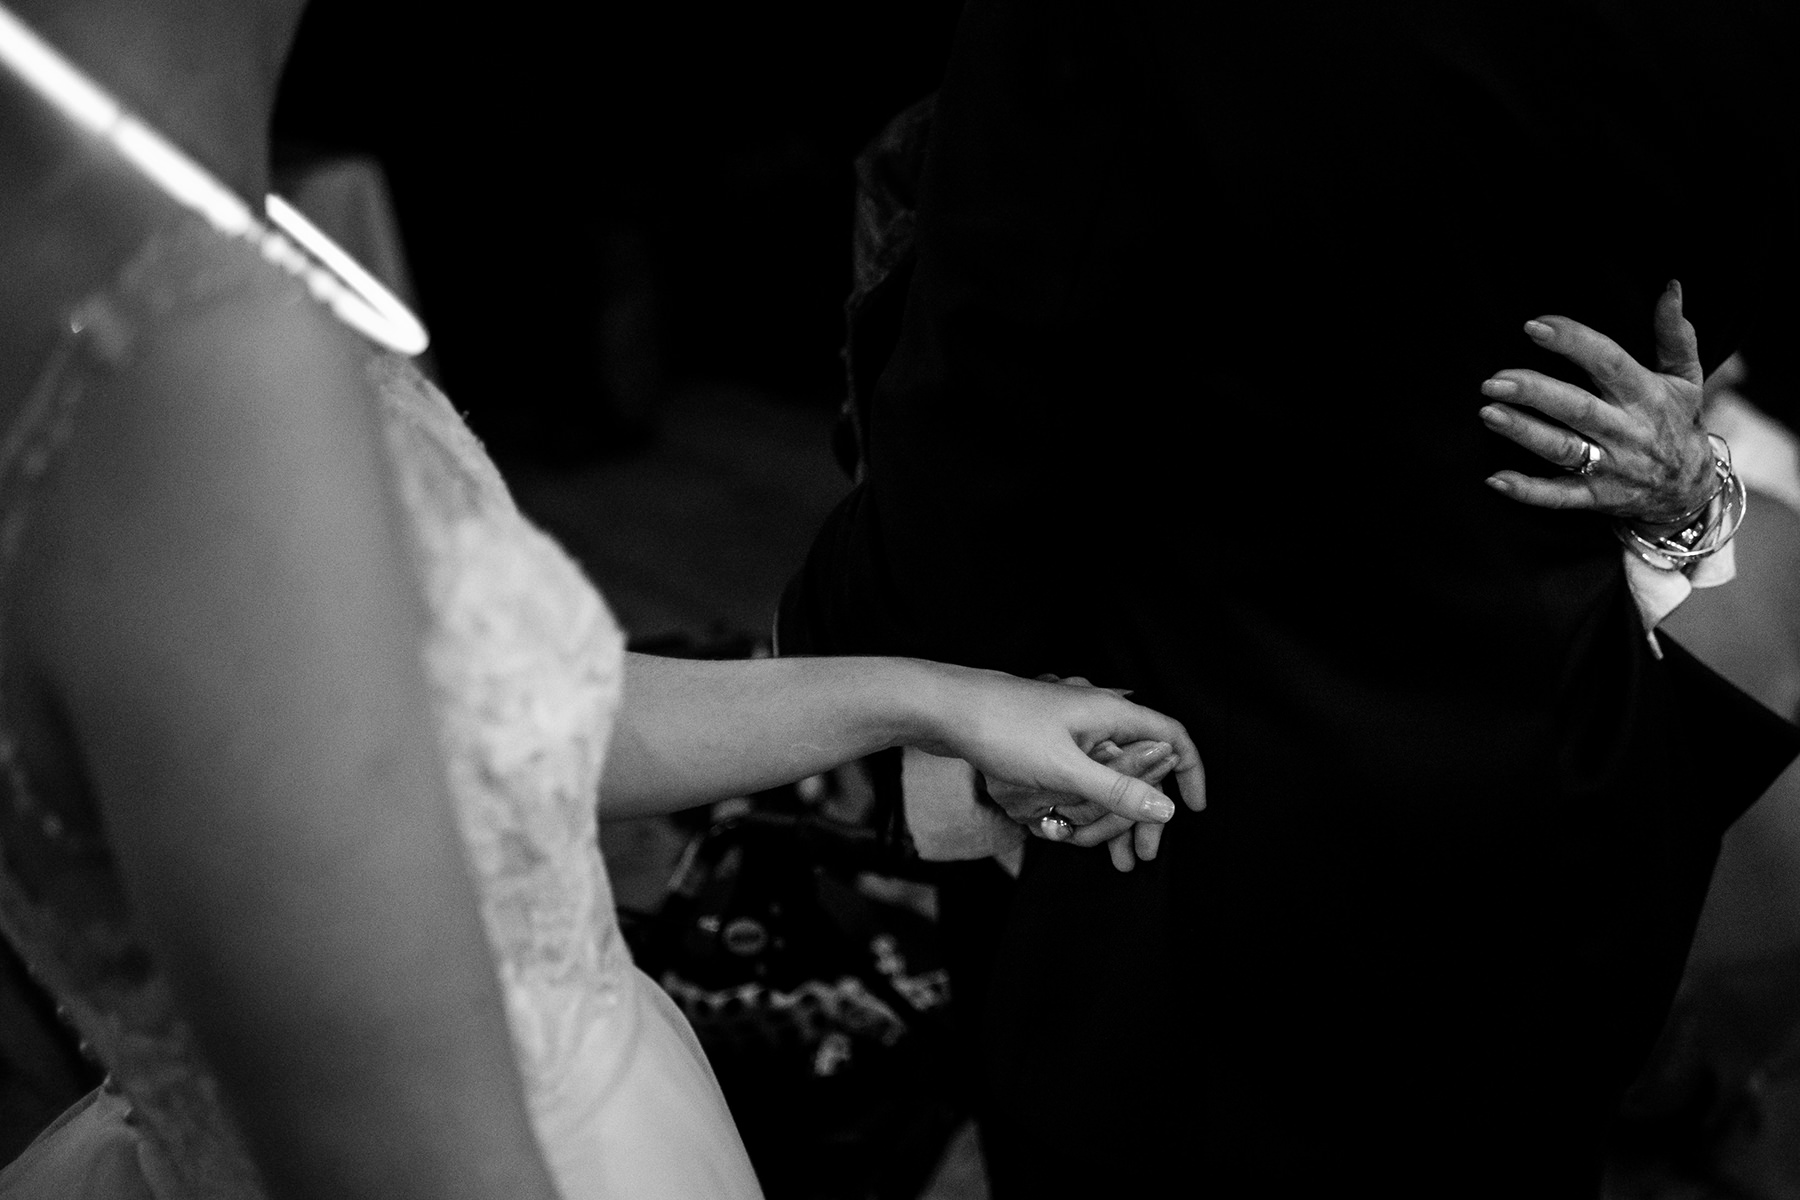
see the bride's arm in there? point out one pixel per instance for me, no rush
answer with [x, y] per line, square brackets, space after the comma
[234, 637]
[689, 731]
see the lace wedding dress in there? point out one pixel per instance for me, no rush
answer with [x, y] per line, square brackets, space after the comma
[526, 665]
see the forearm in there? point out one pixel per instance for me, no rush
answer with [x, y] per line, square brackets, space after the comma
[690, 732]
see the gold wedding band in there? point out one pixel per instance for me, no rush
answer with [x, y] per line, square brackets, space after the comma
[1051, 827]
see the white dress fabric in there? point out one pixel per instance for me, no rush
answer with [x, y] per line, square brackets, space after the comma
[526, 664]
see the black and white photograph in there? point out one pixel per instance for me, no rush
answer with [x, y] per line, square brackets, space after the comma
[958, 600]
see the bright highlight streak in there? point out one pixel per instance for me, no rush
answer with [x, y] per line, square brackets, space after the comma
[44, 69]
[368, 305]
[182, 178]
[332, 276]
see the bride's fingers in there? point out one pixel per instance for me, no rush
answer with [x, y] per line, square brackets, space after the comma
[1677, 347]
[1614, 372]
[1149, 761]
[1147, 839]
[1104, 830]
[1190, 778]
[1120, 793]
[1141, 759]
[1552, 443]
[1149, 725]
[1575, 407]
[1569, 491]
[1110, 825]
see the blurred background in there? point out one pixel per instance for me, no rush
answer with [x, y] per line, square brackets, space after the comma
[605, 203]
[628, 228]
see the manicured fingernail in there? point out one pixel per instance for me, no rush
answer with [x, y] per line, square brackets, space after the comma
[1105, 752]
[1159, 809]
[1154, 751]
[1499, 387]
[1539, 330]
[1497, 483]
[1493, 415]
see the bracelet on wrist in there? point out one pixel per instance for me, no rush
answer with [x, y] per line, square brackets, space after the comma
[1705, 530]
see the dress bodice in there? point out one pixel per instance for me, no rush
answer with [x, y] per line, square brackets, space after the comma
[525, 663]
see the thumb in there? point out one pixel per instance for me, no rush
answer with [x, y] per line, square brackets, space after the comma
[1130, 798]
[1677, 348]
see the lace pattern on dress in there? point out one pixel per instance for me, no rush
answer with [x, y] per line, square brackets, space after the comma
[526, 664]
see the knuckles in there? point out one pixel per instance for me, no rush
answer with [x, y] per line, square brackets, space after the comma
[1612, 365]
[1118, 792]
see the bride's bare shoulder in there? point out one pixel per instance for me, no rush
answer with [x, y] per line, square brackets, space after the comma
[210, 485]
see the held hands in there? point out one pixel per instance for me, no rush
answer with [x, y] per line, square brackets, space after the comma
[1062, 818]
[1636, 450]
[1090, 789]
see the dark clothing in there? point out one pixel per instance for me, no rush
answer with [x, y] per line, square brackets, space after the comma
[1185, 401]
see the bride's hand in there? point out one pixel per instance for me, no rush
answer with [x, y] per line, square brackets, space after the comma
[1083, 823]
[1040, 744]
[1636, 450]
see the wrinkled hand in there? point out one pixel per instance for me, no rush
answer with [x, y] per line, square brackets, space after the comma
[1088, 823]
[1654, 464]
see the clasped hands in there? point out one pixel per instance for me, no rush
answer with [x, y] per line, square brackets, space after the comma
[1097, 764]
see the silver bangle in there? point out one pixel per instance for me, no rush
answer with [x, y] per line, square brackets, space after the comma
[1681, 552]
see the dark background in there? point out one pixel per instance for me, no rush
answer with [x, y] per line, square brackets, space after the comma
[599, 198]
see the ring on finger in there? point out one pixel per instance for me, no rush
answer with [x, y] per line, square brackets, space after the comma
[1052, 826]
[1590, 458]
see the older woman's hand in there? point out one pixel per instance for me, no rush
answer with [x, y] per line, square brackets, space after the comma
[1636, 450]
[1061, 817]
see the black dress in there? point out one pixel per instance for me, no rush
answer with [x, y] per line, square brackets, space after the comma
[1185, 401]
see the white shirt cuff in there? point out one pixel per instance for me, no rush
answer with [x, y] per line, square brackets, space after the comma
[947, 822]
[1659, 593]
